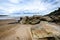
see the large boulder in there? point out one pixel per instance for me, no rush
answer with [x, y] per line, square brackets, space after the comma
[24, 20]
[34, 20]
[46, 18]
[46, 30]
[30, 20]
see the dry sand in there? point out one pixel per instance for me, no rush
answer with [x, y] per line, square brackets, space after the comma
[15, 32]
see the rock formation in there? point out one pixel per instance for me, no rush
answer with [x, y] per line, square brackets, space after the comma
[46, 26]
[52, 17]
[46, 30]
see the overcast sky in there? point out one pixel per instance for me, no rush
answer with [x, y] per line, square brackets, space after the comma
[18, 7]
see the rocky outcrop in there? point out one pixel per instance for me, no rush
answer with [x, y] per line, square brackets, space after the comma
[52, 17]
[55, 16]
[46, 26]
[30, 20]
[46, 30]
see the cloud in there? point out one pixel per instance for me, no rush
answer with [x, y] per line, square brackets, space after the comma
[10, 7]
[14, 1]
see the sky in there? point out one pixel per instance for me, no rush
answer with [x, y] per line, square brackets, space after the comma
[28, 7]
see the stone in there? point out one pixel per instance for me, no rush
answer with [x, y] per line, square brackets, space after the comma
[45, 30]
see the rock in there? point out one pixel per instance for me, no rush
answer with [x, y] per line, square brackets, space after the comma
[30, 20]
[46, 18]
[36, 19]
[55, 16]
[24, 20]
[44, 30]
